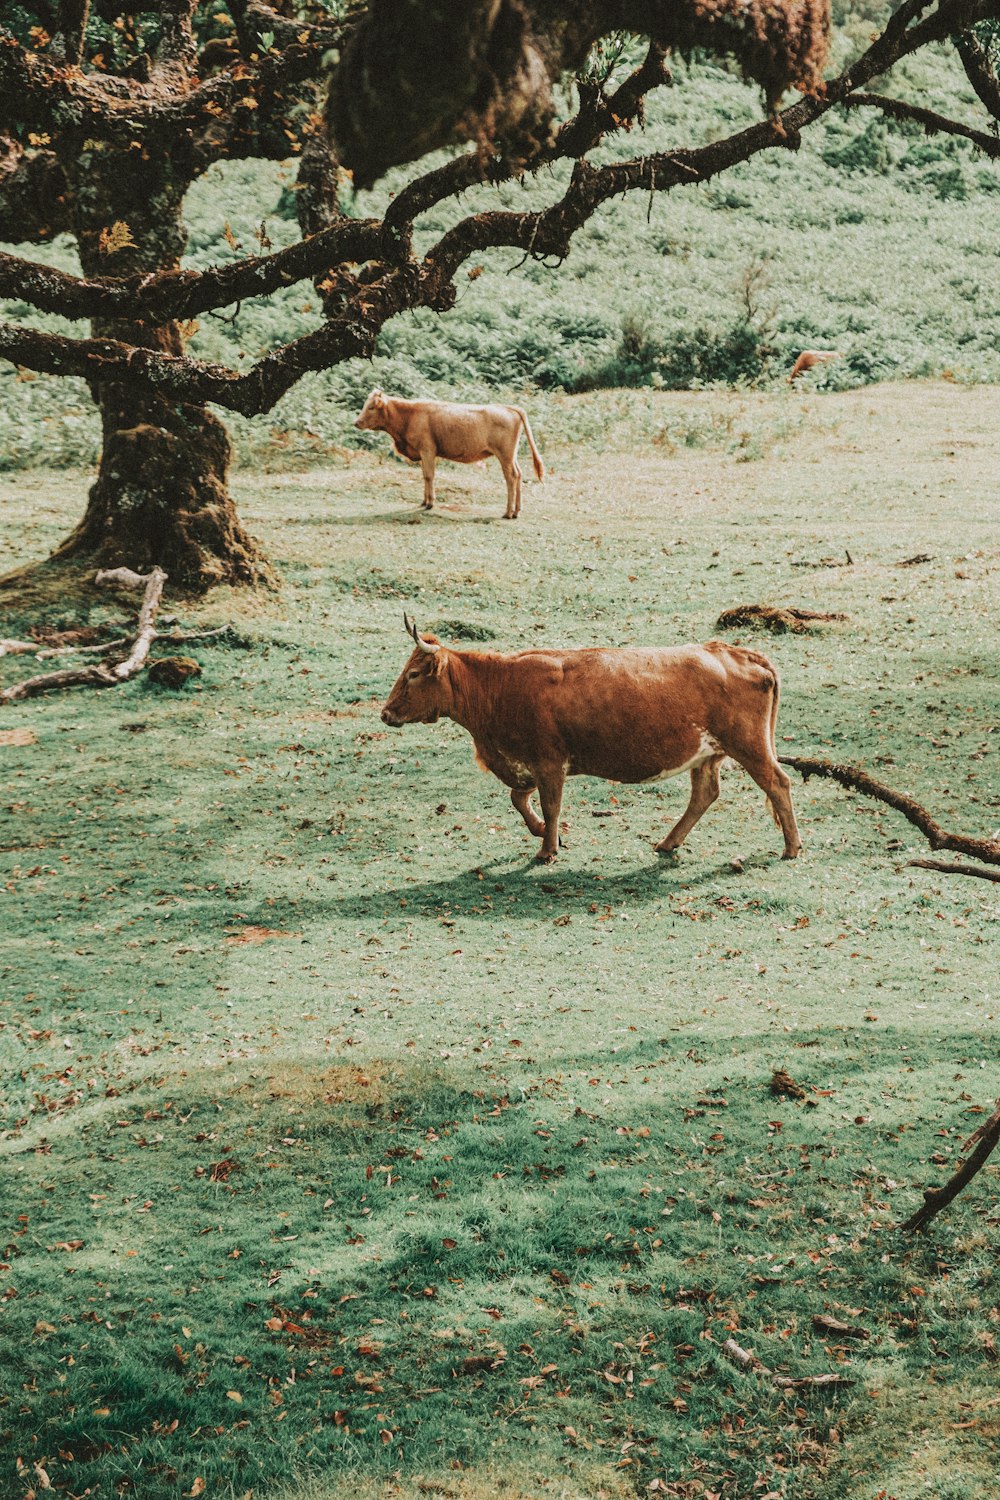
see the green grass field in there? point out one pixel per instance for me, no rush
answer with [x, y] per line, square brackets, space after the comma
[344, 1148]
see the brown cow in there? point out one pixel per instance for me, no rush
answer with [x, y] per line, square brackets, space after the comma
[809, 358]
[638, 714]
[424, 431]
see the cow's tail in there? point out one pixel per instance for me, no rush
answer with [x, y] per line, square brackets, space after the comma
[536, 457]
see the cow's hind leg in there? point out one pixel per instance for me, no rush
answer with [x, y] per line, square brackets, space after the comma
[774, 783]
[521, 798]
[512, 474]
[427, 465]
[704, 791]
[550, 790]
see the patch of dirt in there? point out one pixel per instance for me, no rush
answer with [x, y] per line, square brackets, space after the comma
[254, 934]
[339, 1083]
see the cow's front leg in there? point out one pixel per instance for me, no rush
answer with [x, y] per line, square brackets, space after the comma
[427, 465]
[550, 790]
[521, 798]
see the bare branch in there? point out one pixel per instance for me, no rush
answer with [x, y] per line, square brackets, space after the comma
[985, 1139]
[176, 49]
[747, 1361]
[933, 123]
[952, 867]
[988, 850]
[254, 18]
[101, 674]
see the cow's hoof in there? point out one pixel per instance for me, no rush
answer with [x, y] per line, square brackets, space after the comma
[792, 853]
[664, 848]
[544, 859]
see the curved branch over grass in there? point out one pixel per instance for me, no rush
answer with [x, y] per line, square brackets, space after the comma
[852, 777]
[985, 1138]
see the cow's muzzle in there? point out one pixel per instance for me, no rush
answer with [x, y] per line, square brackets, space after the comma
[388, 717]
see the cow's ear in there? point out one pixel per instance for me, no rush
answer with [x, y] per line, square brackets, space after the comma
[435, 663]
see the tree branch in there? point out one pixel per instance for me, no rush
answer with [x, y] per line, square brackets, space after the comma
[101, 674]
[952, 867]
[417, 74]
[987, 850]
[985, 1139]
[71, 25]
[184, 294]
[253, 18]
[933, 123]
[980, 71]
[176, 50]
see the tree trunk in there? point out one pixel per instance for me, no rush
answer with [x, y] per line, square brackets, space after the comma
[160, 498]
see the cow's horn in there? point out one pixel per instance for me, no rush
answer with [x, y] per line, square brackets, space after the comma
[411, 629]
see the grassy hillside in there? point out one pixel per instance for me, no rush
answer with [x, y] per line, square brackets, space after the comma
[872, 239]
[343, 1147]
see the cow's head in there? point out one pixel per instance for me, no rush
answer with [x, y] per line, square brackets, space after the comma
[372, 414]
[421, 693]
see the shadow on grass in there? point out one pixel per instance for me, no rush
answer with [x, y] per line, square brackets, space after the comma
[548, 890]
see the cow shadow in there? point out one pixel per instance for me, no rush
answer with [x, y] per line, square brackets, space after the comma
[410, 515]
[501, 888]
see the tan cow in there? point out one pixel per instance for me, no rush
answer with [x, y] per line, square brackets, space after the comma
[424, 431]
[638, 714]
[809, 358]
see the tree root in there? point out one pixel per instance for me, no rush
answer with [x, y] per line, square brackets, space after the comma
[985, 1138]
[774, 617]
[987, 850]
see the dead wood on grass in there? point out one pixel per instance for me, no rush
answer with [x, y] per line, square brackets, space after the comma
[952, 867]
[777, 618]
[784, 1086]
[102, 673]
[751, 1364]
[852, 777]
[984, 1138]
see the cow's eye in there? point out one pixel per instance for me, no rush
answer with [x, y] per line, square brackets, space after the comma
[412, 676]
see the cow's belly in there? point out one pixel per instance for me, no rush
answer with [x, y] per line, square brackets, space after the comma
[642, 763]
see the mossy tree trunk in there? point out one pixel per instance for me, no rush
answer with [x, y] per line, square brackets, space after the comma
[161, 496]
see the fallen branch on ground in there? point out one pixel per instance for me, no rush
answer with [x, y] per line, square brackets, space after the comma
[774, 617]
[985, 1138]
[749, 1362]
[988, 850]
[172, 638]
[103, 674]
[17, 648]
[951, 867]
